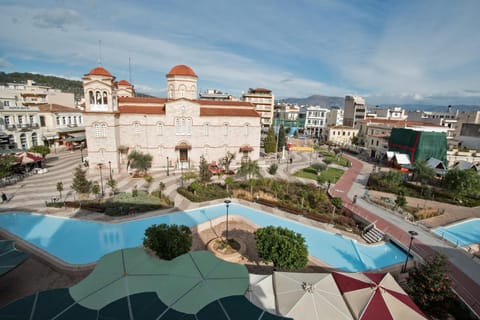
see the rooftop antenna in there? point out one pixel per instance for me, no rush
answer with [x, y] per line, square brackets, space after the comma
[130, 70]
[99, 52]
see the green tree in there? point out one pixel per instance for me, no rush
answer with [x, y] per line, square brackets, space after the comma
[422, 172]
[43, 150]
[319, 167]
[429, 285]
[283, 247]
[401, 201]
[273, 169]
[270, 142]
[6, 163]
[80, 183]
[249, 169]
[282, 141]
[168, 241]
[112, 184]
[462, 182]
[96, 189]
[140, 161]
[204, 174]
[228, 183]
[276, 188]
[60, 188]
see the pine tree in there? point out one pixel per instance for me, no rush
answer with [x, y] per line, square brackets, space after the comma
[80, 183]
[204, 173]
[270, 142]
[282, 142]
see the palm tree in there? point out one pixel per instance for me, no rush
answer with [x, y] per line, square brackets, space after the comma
[249, 169]
[140, 161]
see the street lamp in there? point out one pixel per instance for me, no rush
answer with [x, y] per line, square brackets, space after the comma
[100, 166]
[168, 173]
[110, 167]
[412, 235]
[227, 204]
[81, 152]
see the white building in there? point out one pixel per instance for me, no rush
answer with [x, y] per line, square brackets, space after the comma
[178, 129]
[335, 117]
[341, 135]
[316, 121]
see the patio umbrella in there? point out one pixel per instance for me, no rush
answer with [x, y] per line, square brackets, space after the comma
[10, 257]
[28, 157]
[309, 296]
[260, 292]
[376, 296]
[186, 283]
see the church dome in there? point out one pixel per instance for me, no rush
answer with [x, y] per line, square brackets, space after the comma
[99, 71]
[181, 70]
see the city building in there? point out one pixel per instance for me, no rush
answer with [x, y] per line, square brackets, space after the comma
[353, 110]
[21, 123]
[263, 100]
[288, 116]
[316, 121]
[447, 119]
[470, 136]
[341, 135]
[335, 117]
[177, 130]
[216, 95]
[395, 113]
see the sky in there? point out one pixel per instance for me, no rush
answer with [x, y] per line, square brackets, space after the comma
[389, 52]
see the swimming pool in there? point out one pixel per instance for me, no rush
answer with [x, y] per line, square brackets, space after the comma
[80, 242]
[462, 233]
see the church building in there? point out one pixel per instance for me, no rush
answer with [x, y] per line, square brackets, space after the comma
[178, 129]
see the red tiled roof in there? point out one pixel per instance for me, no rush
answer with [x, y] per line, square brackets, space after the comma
[237, 112]
[225, 103]
[142, 109]
[181, 70]
[141, 100]
[124, 83]
[49, 107]
[99, 71]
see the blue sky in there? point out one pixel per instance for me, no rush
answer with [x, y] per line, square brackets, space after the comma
[386, 51]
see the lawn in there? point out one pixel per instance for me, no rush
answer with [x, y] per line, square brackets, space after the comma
[330, 174]
[331, 157]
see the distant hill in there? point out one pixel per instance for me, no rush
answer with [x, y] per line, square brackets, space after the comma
[66, 85]
[317, 100]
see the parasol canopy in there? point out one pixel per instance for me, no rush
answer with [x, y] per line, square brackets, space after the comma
[26, 157]
[376, 296]
[260, 292]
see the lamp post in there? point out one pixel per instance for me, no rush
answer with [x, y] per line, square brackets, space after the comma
[81, 152]
[227, 204]
[412, 235]
[168, 165]
[100, 166]
[110, 167]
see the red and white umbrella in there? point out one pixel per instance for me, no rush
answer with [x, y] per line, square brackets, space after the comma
[376, 296]
[28, 157]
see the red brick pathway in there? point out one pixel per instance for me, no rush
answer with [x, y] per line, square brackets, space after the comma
[465, 287]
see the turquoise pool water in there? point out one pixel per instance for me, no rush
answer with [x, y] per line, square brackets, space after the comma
[80, 242]
[461, 234]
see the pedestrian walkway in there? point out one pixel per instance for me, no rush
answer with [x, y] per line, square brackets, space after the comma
[463, 270]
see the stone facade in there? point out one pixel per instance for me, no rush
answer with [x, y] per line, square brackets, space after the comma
[179, 129]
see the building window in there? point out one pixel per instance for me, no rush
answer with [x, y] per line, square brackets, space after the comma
[91, 98]
[34, 139]
[69, 120]
[182, 92]
[205, 129]
[64, 120]
[100, 130]
[58, 121]
[20, 120]
[160, 129]
[183, 126]
[136, 127]
[31, 119]
[7, 120]
[225, 129]
[42, 121]
[23, 141]
[170, 92]
[105, 99]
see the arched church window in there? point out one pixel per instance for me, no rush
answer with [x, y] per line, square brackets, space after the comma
[92, 99]
[105, 99]
[98, 97]
[170, 92]
[182, 92]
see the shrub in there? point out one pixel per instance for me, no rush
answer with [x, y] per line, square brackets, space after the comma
[337, 202]
[273, 168]
[168, 241]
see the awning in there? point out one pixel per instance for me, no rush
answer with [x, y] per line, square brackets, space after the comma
[51, 136]
[246, 149]
[183, 146]
[75, 136]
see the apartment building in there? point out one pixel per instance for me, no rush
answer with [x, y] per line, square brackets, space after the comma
[335, 116]
[316, 121]
[263, 100]
[354, 110]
